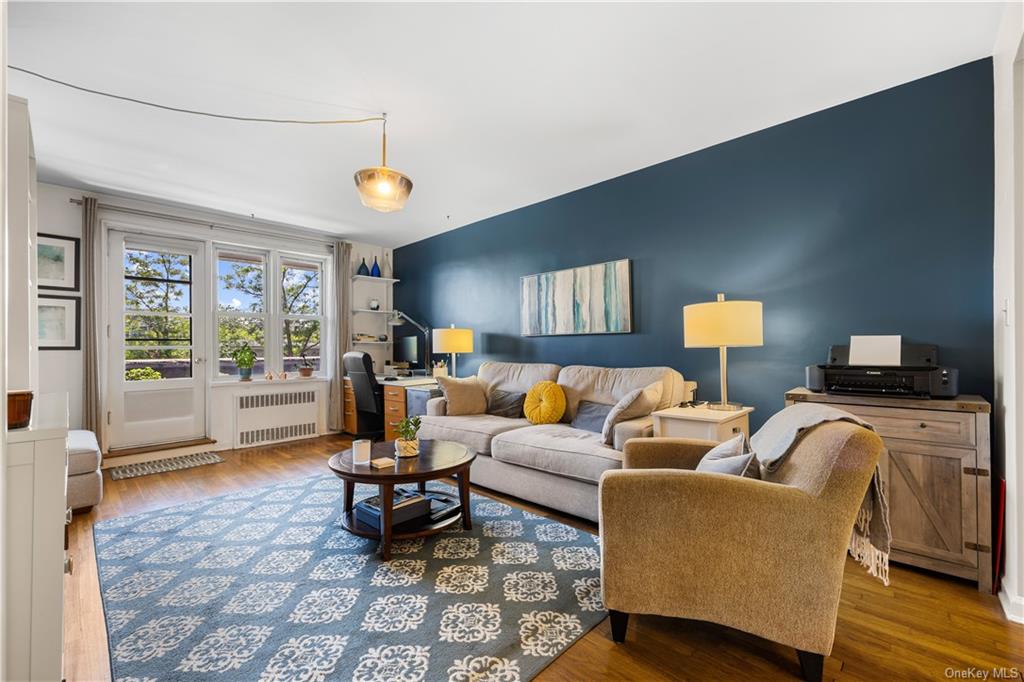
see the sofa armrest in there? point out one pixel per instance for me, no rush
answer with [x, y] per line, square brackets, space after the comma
[664, 453]
[641, 427]
[437, 407]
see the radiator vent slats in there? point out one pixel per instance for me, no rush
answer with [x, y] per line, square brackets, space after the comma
[277, 433]
[263, 418]
[260, 400]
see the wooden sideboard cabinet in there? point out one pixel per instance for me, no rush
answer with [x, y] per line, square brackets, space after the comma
[936, 469]
[395, 407]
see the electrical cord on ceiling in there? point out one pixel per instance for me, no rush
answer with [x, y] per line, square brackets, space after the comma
[250, 119]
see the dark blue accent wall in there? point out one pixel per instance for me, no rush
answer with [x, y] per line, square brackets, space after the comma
[872, 217]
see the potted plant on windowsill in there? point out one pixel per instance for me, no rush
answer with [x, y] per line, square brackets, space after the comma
[306, 370]
[244, 357]
[407, 444]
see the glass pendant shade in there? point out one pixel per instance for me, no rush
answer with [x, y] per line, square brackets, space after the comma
[383, 189]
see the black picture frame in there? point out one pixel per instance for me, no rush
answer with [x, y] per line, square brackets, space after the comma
[78, 321]
[77, 242]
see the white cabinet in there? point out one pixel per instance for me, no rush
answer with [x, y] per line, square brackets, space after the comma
[35, 517]
[22, 356]
[702, 423]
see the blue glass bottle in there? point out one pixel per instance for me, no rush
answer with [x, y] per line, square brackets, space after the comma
[375, 270]
[363, 270]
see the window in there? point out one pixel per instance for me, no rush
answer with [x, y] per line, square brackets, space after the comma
[301, 314]
[241, 309]
[158, 315]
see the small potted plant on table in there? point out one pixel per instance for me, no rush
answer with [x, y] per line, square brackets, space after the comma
[306, 370]
[244, 357]
[407, 444]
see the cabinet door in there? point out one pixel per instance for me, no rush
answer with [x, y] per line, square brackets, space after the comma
[932, 501]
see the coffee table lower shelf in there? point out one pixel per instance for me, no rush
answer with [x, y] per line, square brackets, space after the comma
[407, 530]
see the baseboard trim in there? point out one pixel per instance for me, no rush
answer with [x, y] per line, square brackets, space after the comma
[159, 447]
[1013, 605]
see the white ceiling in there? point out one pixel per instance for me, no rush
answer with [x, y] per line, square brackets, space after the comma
[491, 107]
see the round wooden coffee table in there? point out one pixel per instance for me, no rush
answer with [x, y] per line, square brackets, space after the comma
[437, 459]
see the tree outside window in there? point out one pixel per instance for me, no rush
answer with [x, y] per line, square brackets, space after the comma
[241, 306]
[158, 315]
[301, 310]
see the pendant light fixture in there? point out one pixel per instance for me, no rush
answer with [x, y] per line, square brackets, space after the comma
[381, 188]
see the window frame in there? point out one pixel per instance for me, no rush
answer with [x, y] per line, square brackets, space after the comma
[228, 251]
[273, 315]
[285, 259]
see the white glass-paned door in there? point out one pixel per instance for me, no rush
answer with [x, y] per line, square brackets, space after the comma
[156, 340]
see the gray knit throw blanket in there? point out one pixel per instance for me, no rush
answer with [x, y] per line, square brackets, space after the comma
[872, 536]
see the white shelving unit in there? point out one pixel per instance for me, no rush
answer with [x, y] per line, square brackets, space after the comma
[375, 322]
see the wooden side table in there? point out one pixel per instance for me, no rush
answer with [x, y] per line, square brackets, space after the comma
[702, 423]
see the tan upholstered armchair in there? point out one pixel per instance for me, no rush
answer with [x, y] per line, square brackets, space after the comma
[765, 557]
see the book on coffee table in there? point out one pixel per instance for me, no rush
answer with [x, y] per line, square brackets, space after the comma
[407, 506]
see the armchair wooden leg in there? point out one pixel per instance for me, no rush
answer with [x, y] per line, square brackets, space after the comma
[811, 665]
[619, 622]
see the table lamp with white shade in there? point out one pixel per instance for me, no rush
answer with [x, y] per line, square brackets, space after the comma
[723, 324]
[453, 340]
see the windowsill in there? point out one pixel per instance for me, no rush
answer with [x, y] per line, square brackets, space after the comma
[221, 383]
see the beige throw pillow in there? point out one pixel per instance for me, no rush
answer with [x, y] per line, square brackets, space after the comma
[464, 396]
[639, 402]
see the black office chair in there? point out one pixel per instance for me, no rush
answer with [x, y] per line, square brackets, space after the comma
[369, 395]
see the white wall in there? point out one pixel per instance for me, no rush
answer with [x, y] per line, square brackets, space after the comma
[60, 371]
[1009, 309]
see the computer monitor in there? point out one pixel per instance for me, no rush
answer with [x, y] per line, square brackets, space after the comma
[407, 349]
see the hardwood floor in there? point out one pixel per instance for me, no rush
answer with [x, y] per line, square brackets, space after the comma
[919, 627]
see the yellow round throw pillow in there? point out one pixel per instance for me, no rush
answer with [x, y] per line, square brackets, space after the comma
[545, 403]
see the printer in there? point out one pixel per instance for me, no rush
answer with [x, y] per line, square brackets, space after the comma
[917, 376]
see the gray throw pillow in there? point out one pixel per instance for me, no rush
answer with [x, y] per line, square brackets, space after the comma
[591, 416]
[730, 457]
[639, 402]
[505, 403]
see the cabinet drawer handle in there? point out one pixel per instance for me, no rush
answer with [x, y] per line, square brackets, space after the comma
[67, 516]
[923, 425]
[69, 565]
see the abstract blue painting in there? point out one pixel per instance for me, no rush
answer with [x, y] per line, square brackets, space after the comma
[592, 299]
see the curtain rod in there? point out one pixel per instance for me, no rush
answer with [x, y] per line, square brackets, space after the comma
[202, 223]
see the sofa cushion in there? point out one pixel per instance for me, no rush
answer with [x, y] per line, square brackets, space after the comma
[473, 431]
[608, 385]
[558, 449]
[639, 402]
[502, 403]
[545, 403]
[464, 396]
[591, 416]
[518, 377]
[83, 452]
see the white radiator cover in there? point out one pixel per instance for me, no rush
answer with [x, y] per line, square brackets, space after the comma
[262, 418]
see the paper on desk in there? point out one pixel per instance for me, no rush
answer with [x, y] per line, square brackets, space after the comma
[875, 350]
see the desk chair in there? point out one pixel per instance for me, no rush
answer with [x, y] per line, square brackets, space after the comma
[369, 395]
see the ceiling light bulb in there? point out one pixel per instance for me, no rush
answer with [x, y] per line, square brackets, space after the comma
[383, 187]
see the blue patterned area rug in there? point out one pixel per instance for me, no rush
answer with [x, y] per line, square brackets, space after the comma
[265, 585]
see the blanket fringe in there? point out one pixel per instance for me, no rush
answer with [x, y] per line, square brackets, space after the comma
[870, 557]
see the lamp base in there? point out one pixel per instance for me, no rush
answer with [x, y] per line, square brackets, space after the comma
[725, 407]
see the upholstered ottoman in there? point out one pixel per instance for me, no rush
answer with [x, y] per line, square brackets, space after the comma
[85, 481]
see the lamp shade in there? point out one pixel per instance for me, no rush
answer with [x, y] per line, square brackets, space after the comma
[453, 340]
[722, 323]
[383, 189]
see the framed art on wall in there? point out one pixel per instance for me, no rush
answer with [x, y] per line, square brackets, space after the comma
[60, 323]
[592, 299]
[57, 260]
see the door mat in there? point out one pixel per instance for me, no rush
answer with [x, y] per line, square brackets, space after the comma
[160, 466]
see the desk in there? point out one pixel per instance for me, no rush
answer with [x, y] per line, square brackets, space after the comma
[394, 402]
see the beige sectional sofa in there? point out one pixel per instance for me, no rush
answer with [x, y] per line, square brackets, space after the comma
[554, 465]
